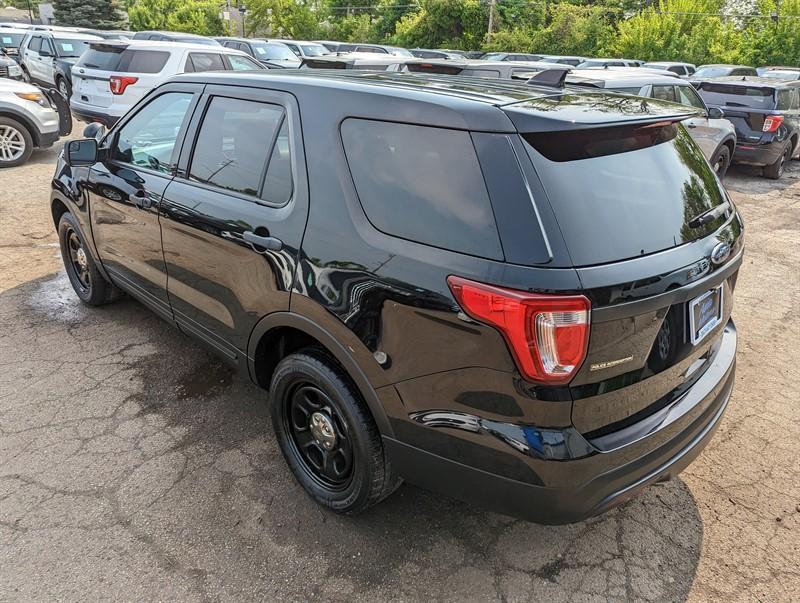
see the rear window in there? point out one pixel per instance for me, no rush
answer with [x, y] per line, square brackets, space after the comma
[625, 191]
[728, 95]
[422, 184]
[124, 60]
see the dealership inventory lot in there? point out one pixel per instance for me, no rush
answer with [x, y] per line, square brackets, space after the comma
[134, 465]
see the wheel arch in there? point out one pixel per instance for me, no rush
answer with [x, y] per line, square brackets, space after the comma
[24, 120]
[282, 333]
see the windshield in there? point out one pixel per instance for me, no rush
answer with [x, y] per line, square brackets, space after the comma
[493, 56]
[9, 40]
[274, 52]
[783, 75]
[399, 52]
[314, 50]
[731, 95]
[70, 48]
[711, 72]
[640, 185]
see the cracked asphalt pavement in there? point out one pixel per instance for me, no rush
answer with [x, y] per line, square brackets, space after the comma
[134, 465]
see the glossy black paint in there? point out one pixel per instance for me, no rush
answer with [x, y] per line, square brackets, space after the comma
[444, 390]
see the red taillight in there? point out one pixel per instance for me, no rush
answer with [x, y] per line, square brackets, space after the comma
[772, 123]
[547, 334]
[118, 83]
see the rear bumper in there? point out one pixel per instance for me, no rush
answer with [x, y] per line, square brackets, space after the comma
[600, 480]
[90, 116]
[759, 154]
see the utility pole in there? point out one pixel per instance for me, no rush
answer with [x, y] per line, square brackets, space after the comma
[491, 21]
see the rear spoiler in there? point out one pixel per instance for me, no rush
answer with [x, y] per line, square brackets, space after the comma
[581, 110]
[325, 63]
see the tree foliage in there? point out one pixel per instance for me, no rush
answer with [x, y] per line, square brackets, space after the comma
[102, 14]
[444, 24]
[192, 16]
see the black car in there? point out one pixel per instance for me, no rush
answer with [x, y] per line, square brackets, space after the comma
[510, 293]
[766, 114]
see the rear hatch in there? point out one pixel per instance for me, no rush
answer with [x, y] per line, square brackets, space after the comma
[654, 240]
[746, 107]
[136, 68]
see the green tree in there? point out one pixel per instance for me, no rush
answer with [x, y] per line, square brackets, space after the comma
[286, 18]
[444, 23]
[192, 16]
[100, 14]
[687, 30]
[774, 43]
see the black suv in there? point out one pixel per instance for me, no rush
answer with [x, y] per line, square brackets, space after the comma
[513, 294]
[766, 114]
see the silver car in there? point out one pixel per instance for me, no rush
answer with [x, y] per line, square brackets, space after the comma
[714, 134]
[27, 121]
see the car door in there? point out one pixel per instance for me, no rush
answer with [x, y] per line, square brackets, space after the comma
[705, 132]
[233, 218]
[32, 59]
[125, 190]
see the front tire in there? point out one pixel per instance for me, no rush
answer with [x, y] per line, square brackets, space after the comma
[16, 143]
[327, 435]
[775, 171]
[88, 283]
[64, 88]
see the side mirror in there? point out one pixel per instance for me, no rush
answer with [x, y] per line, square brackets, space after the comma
[94, 130]
[81, 152]
[715, 113]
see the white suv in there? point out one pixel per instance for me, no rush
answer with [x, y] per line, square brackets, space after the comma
[47, 56]
[113, 75]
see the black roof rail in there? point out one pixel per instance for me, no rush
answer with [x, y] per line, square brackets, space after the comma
[553, 78]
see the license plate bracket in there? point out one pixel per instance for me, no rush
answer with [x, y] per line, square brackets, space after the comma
[705, 313]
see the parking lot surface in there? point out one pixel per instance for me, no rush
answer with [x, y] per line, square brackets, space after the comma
[134, 465]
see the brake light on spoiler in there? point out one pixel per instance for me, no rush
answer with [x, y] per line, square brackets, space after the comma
[548, 334]
[118, 83]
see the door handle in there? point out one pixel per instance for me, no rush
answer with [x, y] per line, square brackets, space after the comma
[693, 126]
[270, 243]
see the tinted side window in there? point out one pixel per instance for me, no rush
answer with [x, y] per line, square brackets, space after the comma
[35, 44]
[688, 96]
[201, 61]
[233, 144]
[240, 63]
[148, 139]
[278, 184]
[422, 184]
[784, 100]
[666, 93]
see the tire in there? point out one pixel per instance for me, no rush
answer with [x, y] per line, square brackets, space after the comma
[314, 405]
[90, 286]
[721, 161]
[62, 85]
[775, 171]
[16, 143]
[26, 77]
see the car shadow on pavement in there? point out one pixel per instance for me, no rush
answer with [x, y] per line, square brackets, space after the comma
[154, 449]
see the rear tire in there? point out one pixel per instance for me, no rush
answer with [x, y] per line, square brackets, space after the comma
[88, 283]
[721, 161]
[327, 435]
[775, 171]
[63, 87]
[16, 143]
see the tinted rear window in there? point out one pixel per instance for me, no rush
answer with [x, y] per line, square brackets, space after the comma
[422, 184]
[623, 192]
[127, 61]
[728, 95]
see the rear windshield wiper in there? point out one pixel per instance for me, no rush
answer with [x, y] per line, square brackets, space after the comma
[709, 215]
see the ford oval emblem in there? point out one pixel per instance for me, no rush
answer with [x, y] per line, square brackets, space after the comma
[720, 253]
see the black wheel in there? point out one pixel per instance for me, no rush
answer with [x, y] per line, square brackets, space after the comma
[776, 170]
[86, 280]
[63, 87]
[327, 435]
[16, 143]
[721, 161]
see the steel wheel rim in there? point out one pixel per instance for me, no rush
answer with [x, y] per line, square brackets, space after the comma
[62, 88]
[331, 468]
[78, 261]
[12, 143]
